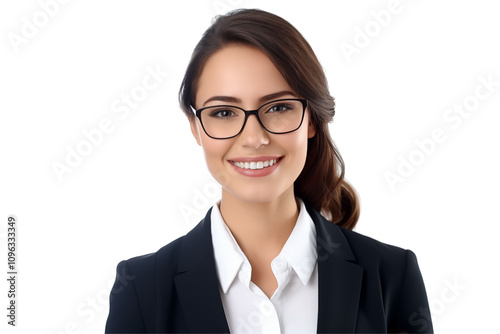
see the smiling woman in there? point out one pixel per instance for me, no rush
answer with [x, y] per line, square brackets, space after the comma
[277, 252]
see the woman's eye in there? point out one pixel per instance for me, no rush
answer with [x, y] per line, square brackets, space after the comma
[280, 108]
[222, 113]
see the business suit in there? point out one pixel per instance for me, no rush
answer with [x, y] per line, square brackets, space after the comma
[364, 286]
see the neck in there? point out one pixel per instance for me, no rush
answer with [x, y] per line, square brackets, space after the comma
[260, 228]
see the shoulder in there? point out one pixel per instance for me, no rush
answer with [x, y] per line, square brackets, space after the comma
[353, 246]
[395, 269]
[365, 246]
[393, 272]
[171, 258]
[142, 283]
[143, 265]
[386, 257]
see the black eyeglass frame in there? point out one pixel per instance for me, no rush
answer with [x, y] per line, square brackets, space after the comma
[252, 112]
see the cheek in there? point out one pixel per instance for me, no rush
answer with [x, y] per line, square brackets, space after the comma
[215, 152]
[214, 149]
[301, 150]
[295, 146]
[298, 141]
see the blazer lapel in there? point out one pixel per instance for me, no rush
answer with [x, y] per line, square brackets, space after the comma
[197, 284]
[339, 280]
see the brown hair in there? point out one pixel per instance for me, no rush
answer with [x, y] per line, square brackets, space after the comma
[321, 183]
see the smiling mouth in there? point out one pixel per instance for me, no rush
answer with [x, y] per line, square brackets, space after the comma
[256, 164]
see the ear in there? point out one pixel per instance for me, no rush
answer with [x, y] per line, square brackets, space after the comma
[194, 129]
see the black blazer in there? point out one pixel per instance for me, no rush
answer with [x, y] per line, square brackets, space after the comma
[365, 286]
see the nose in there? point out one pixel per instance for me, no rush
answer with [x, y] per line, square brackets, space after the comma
[253, 134]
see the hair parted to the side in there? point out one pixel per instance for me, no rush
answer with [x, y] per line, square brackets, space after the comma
[321, 183]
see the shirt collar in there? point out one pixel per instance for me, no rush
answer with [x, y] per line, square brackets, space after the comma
[299, 250]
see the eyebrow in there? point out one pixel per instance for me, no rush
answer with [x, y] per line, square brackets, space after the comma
[263, 99]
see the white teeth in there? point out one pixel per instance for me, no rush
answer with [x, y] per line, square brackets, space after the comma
[255, 164]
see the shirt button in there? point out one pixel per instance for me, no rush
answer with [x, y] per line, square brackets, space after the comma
[280, 265]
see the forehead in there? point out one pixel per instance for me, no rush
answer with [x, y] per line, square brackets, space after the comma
[239, 71]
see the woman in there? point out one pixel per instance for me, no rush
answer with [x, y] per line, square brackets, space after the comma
[264, 259]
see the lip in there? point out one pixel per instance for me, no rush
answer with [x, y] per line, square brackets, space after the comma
[260, 158]
[256, 172]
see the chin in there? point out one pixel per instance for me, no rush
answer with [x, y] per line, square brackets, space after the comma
[257, 192]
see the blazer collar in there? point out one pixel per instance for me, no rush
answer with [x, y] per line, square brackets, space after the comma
[339, 279]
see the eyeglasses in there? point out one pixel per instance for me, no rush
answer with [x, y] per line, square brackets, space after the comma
[278, 117]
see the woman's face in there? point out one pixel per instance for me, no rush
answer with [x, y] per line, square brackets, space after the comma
[243, 76]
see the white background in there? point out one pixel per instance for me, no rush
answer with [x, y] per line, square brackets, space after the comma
[127, 196]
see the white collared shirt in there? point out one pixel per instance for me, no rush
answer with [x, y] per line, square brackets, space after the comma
[293, 308]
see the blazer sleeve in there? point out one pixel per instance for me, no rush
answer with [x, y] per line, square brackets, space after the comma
[412, 314]
[125, 314]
